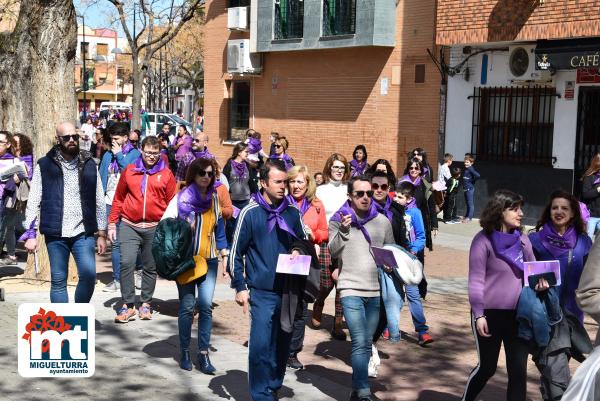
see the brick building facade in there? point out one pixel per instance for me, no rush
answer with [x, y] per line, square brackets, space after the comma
[523, 91]
[328, 100]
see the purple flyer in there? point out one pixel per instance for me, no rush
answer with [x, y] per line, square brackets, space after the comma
[548, 266]
[299, 265]
[384, 256]
[236, 212]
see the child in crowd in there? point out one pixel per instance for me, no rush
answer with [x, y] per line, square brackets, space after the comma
[318, 178]
[444, 170]
[255, 150]
[469, 177]
[415, 231]
[450, 210]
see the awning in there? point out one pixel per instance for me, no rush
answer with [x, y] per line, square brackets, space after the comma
[567, 54]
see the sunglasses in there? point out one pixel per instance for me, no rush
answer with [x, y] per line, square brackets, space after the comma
[196, 140]
[278, 146]
[384, 187]
[360, 194]
[414, 169]
[67, 138]
[203, 173]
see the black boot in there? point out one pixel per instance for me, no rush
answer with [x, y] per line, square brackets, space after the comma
[185, 362]
[204, 364]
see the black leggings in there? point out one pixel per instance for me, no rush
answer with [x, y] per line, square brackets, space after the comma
[502, 325]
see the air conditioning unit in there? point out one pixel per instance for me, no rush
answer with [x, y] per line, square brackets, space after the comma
[237, 18]
[521, 65]
[240, 60]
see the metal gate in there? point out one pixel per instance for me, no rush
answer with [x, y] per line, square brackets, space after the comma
[588, 131]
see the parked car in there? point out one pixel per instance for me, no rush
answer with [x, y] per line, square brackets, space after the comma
[157, 120]
[115, 106]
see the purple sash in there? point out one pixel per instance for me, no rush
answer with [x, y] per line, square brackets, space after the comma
[285, 158]
[113, 167]
[509, 248]
[358, 168]
[385, 209]
[190, 201]
[254, 145]
[406, 178]
[275, 217]
[241, 169]
[556, 244]
[346, 209]
[303, 204]
[203, 154]
[140, 168]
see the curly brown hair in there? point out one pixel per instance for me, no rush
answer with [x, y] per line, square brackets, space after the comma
[492, 216]
[25, 144]
[577, 220]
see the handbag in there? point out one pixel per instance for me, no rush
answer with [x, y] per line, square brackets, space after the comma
[200, 269]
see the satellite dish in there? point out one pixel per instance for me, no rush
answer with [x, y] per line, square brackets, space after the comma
[519, 62]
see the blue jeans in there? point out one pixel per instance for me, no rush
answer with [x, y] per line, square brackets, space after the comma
[362, 317]
[187, 300]
[83, 249]
[469, 200]
[268, 346]
[593, 226]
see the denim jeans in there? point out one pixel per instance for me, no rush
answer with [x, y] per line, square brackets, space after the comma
[83, 249]
[268, 346]
[592, 226]
[362, 317]
[469, 200]
[187, 300]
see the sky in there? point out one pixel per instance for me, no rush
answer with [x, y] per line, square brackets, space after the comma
[98, 14]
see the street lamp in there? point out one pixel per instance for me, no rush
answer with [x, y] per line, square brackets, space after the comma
[85, 78]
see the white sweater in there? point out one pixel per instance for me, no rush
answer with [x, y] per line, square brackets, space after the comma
[333, 195]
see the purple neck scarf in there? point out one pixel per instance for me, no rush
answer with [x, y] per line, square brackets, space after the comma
[140, 168]
[358, 168]
[385, 209]
[303, 204]
[556, 244]
[254, 145]
[203, 154]
[509, 248]
[597, 180]
[406, 178]
[275, 217]
[412, 203]
[287, 160]
[346, 209]
[113, 167]
[241, 169]
[28, 160]
[191, 202]
[218, 183]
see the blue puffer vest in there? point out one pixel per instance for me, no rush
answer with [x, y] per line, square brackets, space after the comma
[52, 205]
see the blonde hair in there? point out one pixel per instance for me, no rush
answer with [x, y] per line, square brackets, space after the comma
[311, 187]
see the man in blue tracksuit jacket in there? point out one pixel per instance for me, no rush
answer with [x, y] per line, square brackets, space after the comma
[113, 162]
[266, 228]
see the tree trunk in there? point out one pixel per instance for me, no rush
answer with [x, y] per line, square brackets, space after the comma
[138, 87]
[37, 75]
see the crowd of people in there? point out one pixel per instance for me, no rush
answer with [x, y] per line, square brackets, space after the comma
[259, 205]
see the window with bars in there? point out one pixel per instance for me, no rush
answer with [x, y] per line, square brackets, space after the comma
[339, 17]
[513, 124]
[289, 19]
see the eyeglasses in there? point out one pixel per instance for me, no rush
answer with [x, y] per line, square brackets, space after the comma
[151, 154]
[414, 169]
[278, 146]
[384, 187]
[360, 194]
[67, 138]
[338, 168]
[203, 173]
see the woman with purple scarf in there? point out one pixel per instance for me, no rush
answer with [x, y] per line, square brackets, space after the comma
[198, 204]
[358, 164]
[12, 208]
[242, 183]
[590, 194]
[495, 283]
[280, 148]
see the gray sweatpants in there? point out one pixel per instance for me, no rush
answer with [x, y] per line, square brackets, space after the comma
[131, 241]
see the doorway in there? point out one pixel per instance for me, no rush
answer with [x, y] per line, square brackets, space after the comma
[588, 131]
[239, 110]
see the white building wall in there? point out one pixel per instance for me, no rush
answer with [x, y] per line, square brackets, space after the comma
[460, 107]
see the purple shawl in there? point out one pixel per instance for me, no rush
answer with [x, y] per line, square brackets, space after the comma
[385, 209]
[303, 204]
[509, 248]
[358, 168]
[346, 209]
[241, 169]
[113, 167]
[254, 145]
[274, 217]
[556, 244]
[140, 168]
[185, 147]
[412, 203]
[191, 202]
[203, 154]
[406, 178]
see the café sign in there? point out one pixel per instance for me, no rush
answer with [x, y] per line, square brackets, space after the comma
[567, 61]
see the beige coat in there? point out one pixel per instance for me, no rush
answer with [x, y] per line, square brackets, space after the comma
[588, 293]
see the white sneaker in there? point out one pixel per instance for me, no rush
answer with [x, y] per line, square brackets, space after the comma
[113, 286]
[375, 356]
[372, 368]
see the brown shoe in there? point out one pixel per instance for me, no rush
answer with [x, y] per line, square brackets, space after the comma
[317, 314]
[338, 332]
